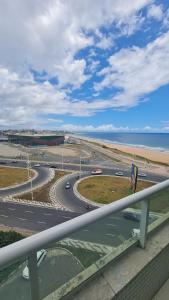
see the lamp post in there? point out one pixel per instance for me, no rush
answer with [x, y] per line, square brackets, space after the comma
[80, 166]
[62, 159]
[29, 174]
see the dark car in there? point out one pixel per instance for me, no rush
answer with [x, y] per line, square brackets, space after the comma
[131, 216]
[53, 166]
[3, 163]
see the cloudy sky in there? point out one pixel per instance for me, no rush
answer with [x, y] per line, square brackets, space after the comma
[84, 65]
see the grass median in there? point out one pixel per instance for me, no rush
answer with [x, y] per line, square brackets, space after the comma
[42, 194]
[12, 176]
[106, 189]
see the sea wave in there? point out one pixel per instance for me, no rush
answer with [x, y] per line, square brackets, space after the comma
[140, 146]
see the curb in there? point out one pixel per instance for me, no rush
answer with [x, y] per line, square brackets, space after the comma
[52, 193]
[50, 177]
[86, 200]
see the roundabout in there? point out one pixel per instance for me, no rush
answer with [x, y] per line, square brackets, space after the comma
[105, 189]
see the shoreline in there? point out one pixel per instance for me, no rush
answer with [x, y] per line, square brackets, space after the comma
[109, 142]
[148, 154]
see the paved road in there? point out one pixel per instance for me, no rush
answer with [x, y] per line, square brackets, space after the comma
[42, 178]
[68, 200]
[111, 230]
[31, 217]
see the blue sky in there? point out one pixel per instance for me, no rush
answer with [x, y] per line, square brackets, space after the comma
[85, 65]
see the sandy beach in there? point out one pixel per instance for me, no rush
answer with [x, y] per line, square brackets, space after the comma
[149, 154]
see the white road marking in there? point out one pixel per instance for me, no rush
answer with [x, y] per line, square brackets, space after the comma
[11, 208]
[110, 234]
[47, 214]
[85, 230]
[5, 216]
[29, 211]
[22, 219]
[113, 225]
[40, 222]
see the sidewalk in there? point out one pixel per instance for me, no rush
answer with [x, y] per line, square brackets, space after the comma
[163, 293]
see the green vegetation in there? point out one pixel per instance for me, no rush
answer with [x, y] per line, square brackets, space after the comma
[7, 238]
[106, 189]
[12, 176]
[42, 194]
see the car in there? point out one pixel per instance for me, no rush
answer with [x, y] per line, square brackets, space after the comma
[3, 162]
[40, 256]
[96, 172]
[88, 207]
[119, 173]
[142, 174]
[14, 161]
[37, 165]
[131, 216]
[53, 166]
[67, 186]
[135, 233]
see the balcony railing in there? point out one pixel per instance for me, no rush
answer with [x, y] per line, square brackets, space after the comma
[79, 248]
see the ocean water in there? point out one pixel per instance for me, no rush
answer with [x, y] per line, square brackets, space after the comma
[158, 141]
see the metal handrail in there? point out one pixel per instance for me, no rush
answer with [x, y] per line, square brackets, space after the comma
[29, 245]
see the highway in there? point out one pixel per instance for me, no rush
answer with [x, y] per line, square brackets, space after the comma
[29, 217]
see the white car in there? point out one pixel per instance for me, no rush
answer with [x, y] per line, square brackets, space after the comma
[40, 256]
[37, 165]
[142, 175]
[96, 172]
[119, 173]
[67, 186]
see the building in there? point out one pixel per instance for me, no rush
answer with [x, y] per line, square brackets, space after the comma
[3, 139]
[36, 139]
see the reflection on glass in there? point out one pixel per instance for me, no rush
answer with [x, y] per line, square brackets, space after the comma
[12, 284]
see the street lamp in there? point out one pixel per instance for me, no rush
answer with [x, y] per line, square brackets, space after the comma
[62, 159]
[80, 166]
[29, 174]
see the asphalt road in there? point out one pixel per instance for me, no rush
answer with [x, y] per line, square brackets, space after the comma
[40, 218]
[29, 217]
[68, 199]
[43, 175]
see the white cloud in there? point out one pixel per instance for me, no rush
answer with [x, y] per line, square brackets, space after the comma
[156, 12]
[166, 19]
[137, 72]
[91, 128]
[42, 34]
[93, 65]
[47, 35]
[109, 128]
[105, 42]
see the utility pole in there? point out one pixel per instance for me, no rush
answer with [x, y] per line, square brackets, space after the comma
[80, 166]
[62, 159]
[29, 174]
